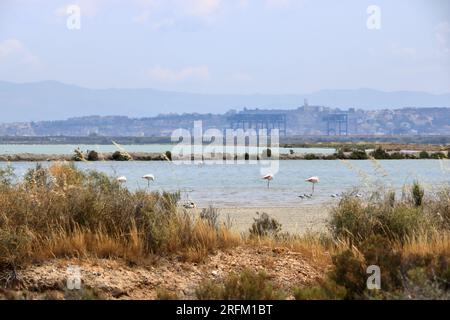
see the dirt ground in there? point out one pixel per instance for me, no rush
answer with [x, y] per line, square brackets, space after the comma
[115, 279]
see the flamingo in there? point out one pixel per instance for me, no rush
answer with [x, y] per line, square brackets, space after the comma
[122, 179]
[268, 177]
[149, 177]
[313, 180]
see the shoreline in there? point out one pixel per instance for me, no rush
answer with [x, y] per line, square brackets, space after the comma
[300, 220]
[148, 156]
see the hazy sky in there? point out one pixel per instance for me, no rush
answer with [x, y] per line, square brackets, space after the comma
[229, 46]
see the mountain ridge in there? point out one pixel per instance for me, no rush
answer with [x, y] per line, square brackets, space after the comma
[53, 100]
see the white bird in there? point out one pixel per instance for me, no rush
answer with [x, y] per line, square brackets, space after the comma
[313, 180]
[189, 205]
[149, 177]
[268, 177]
[122, 179]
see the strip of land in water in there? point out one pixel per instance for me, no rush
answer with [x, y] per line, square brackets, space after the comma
[144, 156]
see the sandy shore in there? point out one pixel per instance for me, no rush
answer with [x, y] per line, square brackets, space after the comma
[296, 220]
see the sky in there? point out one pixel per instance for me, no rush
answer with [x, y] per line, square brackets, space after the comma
[229, 46]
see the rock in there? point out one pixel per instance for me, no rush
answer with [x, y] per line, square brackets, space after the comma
[117, 293]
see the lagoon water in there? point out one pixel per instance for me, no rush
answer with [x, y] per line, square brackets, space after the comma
[229, 185]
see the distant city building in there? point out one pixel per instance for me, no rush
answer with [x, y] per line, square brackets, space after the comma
[304, 120]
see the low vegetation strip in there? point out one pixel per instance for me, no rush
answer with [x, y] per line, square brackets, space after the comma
[343, 153]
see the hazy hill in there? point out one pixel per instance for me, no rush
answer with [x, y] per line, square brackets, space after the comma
[52, 100]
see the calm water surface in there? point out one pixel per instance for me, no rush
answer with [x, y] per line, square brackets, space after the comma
[241, 185]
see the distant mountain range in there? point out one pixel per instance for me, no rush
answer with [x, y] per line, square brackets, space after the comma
[51, 100]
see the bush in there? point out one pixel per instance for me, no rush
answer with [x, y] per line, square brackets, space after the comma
[121, 156]
[264, 225]
[210, 215]
[340, 154]
[424, 155]
[244, 286]
[398, 156]
[417, 193]
[353, 220]
[324, 290]
[7, 175]
[402, 238]
[440, 208]
[311, 156]
[438, 155]
[78, 155]
[92, 155]
[380, 154]
[349, 271]
[359, 155]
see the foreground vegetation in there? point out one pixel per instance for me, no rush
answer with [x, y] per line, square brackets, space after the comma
[62, 212]
[407, 238]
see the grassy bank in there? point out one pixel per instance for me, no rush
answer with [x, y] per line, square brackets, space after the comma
[63, 213]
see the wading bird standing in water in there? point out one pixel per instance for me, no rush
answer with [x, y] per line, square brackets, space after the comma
[122, 179]
[149, 177]
[313, 180]
[268, 177]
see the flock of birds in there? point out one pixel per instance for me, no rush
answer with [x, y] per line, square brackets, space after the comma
[313, 180]
[268, 177]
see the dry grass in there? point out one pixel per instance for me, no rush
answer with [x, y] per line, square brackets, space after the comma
[315, 249]
[65, 212]
[435, 243]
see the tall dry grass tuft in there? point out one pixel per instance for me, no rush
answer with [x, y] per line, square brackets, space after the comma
[408, 239]
[61, 211]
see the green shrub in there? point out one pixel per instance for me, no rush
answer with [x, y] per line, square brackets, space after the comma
[424, 155]
[353, 220]
[438, 155]
[311, 156]
[349, 271]
[325, 290]
[380, 154]
[244, 286]
[417, 193]
[359, 155]
[340, 154]
[398, 156]
[264, 225]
